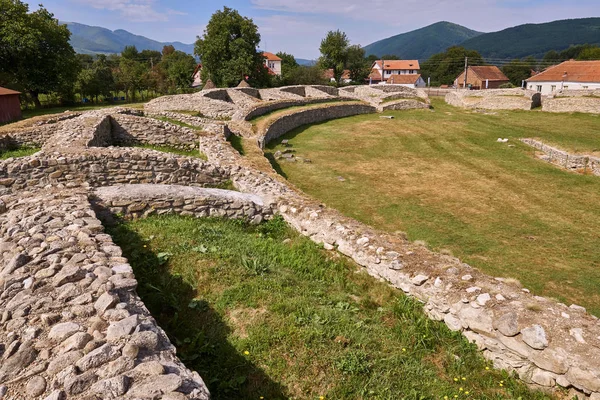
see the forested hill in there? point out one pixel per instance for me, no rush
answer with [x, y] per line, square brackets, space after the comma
[94, 39]
[422, 43]
[536, 39]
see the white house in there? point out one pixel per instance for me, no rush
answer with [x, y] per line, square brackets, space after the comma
[572, 75]
[273, 63]
[411, 81]
[381, 70]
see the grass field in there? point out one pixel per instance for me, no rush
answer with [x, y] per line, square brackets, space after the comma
[18, 152]
[440, 176]
[263, 313]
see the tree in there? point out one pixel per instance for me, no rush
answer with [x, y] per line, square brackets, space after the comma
[130, 53]
[288, 68]
[444, 68]
[35, 54]
[357, 64]
[178, 68]
[304, 75]
[519, 70]
[592, 53]
[228, 50]
[334, 53]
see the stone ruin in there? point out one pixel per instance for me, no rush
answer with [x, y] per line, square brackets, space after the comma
[584, 101]
[495, 99]
[72, 325]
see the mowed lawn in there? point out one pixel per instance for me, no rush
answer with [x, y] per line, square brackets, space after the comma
[442, 177]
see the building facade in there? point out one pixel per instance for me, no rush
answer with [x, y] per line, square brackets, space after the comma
[382, 70]
[273, 63]
[569, 75]
[10, 105]
[481, 78]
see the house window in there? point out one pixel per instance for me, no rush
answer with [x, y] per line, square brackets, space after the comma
[539, 88]
[271, 65]
[566, 87]
[586, 87]
[553, 88]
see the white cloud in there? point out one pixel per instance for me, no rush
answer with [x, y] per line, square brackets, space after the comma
[175, 12]
[131, 10]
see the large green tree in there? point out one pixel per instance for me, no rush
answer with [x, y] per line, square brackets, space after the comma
[444, 68]
[519, 70]
[178, 68]
[334, 53]
[228, 50]
[35, 54]
[356, 63]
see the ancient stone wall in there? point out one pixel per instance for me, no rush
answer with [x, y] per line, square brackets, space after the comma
[495, 99]
[137, 201]
[205, 124]
[563, 159]
[265, 108]
[403, 105]
[286, 123]
[584, 104]
[129, 130]
[72, 324]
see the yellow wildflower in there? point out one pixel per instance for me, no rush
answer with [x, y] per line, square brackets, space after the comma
[246, 352]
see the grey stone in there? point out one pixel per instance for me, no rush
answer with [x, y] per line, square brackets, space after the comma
[543, 378]
[453, 323]
[57, 395]
[15, 263]
[477, 320]
[482, 299]
[145, 339]
[149, 368]
[36, 386]
[584, 379]
[419, 280]
[76, 342]
[553, 360]
[122, 328]
[156, 385]
[80, 383]
[105, 302]
[16, 363]
[577, 334]
[111, 388]
[97, 357]
[60, 332]
[69, 273]
[62, 361]
[507, 324]
[517, 345]
[535, 337]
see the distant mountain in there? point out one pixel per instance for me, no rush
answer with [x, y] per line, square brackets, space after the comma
[422, 43]
[87, 39]
[536, 39]
[305, 62]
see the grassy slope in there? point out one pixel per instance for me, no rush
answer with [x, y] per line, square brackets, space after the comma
[262, 311]
[18, 152]
[442, 177]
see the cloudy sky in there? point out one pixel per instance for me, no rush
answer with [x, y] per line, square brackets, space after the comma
[297, 26]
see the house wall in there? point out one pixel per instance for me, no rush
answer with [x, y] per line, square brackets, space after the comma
[10, 108]
[274, 65]
[547, 87]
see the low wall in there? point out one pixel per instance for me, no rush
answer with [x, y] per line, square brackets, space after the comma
[495, 99]
[109, 166]
[136, 201]
[262, 109]
[406, 104]
[72, 324]
[129, 130]
[576, 162]
[289, 122]
[583, 104]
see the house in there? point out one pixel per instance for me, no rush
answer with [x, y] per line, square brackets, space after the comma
[197, 76]
[411, 81]
[273, 63]
[482, 77]
[10, 105]
[381, 70]
[345, 76]
[572, 75]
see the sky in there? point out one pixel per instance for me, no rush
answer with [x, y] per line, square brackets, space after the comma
[297, 26]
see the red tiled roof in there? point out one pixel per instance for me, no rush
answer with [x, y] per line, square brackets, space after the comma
[375, 75]
[397, 79]
[491, 73]
[271, 56]
[399, 64]
[328, 73]
[5, 91]
[570, 71]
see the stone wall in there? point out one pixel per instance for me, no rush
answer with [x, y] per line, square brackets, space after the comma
[575, 162]
[407, 104]
[206, 124]
[72, 324]
[584, 101]
[265, 108]
[130, 130]
[137, 201]
[286, 123]
[495, 99]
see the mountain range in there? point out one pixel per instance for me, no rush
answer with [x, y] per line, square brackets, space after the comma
[516, 42]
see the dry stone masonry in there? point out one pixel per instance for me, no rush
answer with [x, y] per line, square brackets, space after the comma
[574, 162]
[495, 99]
[584, 101]
[72, 325]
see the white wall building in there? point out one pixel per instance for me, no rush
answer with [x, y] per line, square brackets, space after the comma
[381, 70]
[569, 75]
[411, 81]
[273, 63]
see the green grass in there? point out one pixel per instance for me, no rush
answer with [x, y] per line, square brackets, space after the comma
[176, 122]
[261, 311]
[174, 150]
[18, 152]
[237, 143]
[442, 177]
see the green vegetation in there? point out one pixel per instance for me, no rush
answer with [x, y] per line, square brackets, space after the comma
[422, 43]
[174, 150]
[261, 312]
[443, 178]
[18, 152]
[444, 68]
[536, 39]
[237, 143]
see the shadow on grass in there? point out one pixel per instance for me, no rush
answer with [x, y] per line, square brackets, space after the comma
[236, 143]
[193, 326]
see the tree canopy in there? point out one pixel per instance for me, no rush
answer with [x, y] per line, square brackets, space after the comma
[443, 68]
[228, 50]
[35, 54]
[334, 53]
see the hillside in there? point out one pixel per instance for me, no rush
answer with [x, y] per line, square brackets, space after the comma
[94, 39]
[536, 39]
[422, 43]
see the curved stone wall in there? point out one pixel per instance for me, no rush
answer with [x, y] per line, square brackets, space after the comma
[286, 123]
[495, 99]
[262, 109]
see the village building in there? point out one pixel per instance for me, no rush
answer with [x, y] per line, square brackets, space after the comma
[571, 75]
[328, 73]
[197, 77]
[273, 63]
[482, 77]
[382, 70]
[10, 106]
[411, 81]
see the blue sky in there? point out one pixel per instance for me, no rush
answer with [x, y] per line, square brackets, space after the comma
[297, 26]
